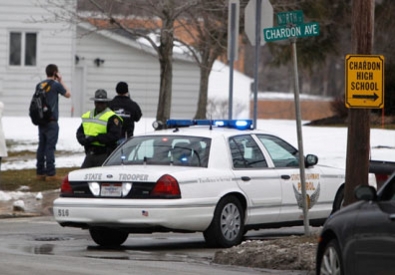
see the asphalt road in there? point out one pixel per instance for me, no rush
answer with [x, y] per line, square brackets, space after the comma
[39, 245]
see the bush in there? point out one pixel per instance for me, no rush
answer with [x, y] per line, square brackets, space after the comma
[338, 107]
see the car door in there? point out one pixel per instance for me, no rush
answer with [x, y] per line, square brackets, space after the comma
[260, 183]
[285, 160]
[374, 239]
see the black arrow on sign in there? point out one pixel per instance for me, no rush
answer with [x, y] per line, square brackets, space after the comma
[371, 97]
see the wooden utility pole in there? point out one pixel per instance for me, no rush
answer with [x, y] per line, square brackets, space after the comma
[358, 141]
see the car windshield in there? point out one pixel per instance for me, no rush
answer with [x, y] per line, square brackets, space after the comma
[162, 150]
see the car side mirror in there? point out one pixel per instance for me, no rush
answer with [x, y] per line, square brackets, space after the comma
[310, 160]
[365, 192]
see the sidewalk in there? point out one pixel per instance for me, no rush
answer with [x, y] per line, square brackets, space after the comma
[32, 206]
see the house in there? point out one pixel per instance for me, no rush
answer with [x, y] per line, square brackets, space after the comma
[104, 58]
[29, 44]
[89, 60]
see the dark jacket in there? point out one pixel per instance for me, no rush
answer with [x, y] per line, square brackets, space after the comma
[129, 110]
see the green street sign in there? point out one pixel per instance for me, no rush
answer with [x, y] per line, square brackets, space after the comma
[297, 31]
[290, 17]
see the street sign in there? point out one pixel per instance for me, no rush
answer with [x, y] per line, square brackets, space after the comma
[291, 25]
[297, 31]
[250, 19]
[290, 17]
[364, 81]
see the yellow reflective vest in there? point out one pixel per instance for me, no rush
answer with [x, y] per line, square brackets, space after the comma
[95, 125]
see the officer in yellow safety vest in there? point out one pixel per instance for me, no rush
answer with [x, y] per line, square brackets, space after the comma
[99, 131]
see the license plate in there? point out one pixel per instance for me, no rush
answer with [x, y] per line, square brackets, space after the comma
[111, 190]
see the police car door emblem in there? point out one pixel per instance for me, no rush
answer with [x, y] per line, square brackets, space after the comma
[311, 199]
[109, 176]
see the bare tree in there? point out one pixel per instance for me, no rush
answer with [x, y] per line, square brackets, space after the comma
[218, 109]
[207, 29]
[384, 39]
[167, 11]
[157, 15]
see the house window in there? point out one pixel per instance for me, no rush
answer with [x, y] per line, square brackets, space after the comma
[23, 49]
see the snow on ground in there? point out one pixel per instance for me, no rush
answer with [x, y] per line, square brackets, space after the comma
[328, 143]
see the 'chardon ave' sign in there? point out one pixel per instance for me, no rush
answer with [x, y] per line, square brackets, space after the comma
[285, 32]
[291, 25]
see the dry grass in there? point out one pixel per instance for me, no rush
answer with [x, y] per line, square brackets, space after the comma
[11, 180]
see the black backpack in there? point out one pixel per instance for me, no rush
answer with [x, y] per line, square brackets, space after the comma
[39, 111]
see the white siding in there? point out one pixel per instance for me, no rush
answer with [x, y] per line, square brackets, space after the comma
[54, 45]
[121, 63]
[186, 79]
[140, 70]
[59, 43]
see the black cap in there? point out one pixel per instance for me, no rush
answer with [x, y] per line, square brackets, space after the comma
[122, 88]
[101, 96]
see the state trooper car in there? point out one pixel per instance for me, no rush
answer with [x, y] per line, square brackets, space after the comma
[221, 178]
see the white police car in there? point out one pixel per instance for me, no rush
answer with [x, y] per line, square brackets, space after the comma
[218, 177]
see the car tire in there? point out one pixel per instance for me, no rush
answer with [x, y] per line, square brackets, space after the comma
[339, 200]
[227, 227]
[108, 236]
[330, 261]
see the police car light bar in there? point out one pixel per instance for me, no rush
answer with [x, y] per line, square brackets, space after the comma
[240, 124]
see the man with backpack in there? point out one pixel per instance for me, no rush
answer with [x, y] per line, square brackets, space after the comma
[48, 131]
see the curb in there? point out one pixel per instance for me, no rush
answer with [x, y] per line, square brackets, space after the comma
[32, 206]
[19, 215]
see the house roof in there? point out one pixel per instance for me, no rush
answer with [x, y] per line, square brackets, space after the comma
[182, 30]
[125, 38]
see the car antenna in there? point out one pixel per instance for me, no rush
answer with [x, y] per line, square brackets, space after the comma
[171, 161]
[122, 156]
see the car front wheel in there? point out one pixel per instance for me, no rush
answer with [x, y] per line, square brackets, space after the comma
[227, 226]
[339, 200]
[330, 263]
[108, 236]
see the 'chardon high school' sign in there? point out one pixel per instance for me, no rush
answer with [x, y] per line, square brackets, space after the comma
[364, 81]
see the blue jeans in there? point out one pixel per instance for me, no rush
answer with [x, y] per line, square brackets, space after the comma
[47, 139]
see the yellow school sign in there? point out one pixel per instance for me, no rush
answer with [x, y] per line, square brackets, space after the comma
[364, 81]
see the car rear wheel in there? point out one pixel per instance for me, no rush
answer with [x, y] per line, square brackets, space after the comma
[227, 227]
[331, 262]
[108, 236]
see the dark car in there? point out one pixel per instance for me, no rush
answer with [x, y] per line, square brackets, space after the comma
[360, 238]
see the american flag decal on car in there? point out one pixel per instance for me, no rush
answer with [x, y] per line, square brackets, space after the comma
[144, 213]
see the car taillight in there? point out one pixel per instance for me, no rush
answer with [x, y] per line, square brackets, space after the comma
[65, 188]
[166, 187]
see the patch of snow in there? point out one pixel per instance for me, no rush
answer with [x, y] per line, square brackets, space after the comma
[19, 205]
[14, 195]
